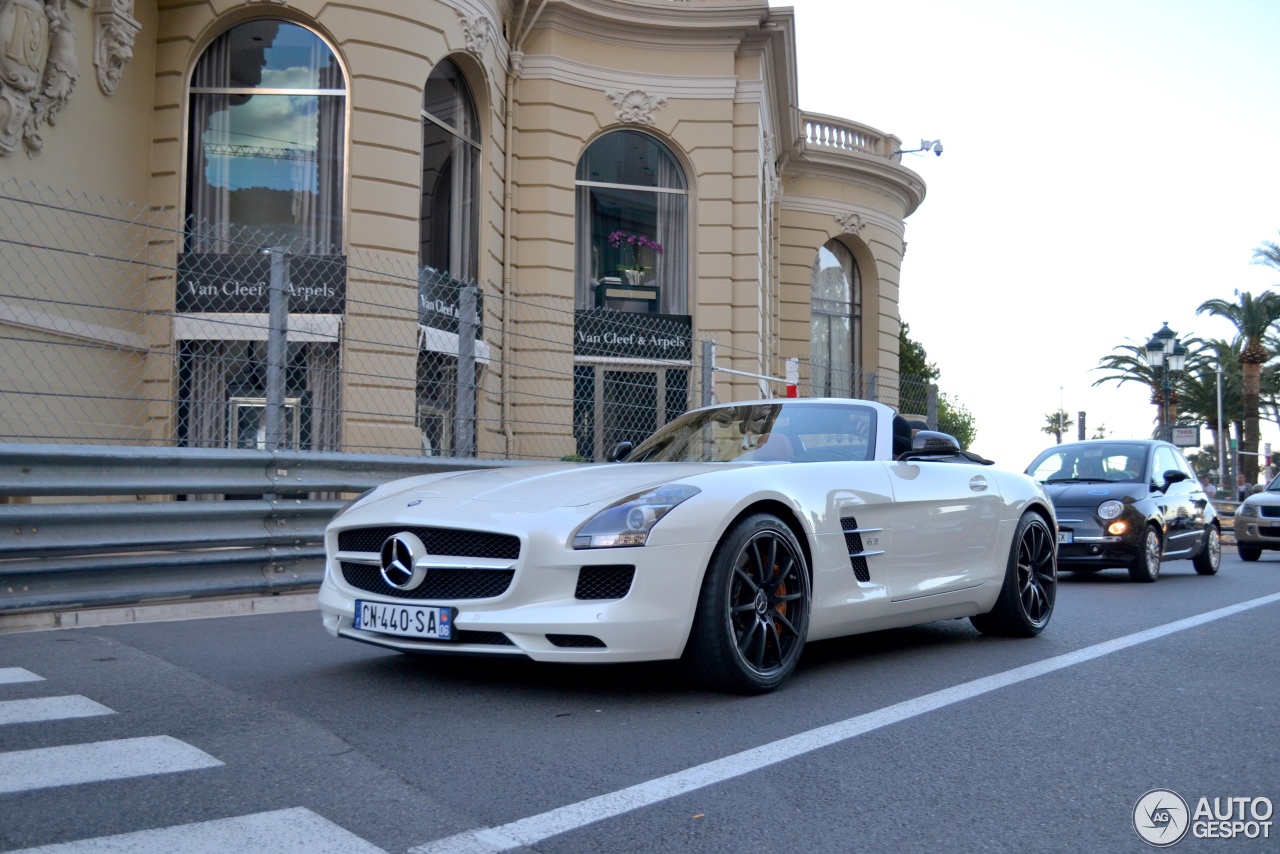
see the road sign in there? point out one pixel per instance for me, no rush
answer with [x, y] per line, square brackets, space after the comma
[1186, 437]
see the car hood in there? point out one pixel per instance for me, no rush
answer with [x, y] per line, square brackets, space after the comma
[546, 486]
[1088, 494]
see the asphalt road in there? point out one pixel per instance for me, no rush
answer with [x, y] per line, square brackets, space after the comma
[262, 733]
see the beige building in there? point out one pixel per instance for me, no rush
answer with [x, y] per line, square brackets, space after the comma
[618, 181]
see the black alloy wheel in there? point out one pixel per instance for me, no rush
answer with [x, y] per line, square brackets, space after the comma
[1030, 583]
[753, 612]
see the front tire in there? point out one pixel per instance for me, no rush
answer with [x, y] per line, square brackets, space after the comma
[1030, 583]
[1248, 553]
[1146, 565]
[1210, 557]
[753, 612]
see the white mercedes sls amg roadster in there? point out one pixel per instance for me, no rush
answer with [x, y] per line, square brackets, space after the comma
[727, 539]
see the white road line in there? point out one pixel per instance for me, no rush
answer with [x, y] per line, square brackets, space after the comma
[21, 770]
[532, 830]
[18, 674]
[291, 831]
[50, 709]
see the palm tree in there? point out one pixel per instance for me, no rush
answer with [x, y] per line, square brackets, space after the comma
[1252, 317]
[1056, 424]
[1199, 384]
[1267, 254]
[1128, 363]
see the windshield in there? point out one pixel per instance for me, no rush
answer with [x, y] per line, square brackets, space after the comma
[764, 432]
[1105, 462]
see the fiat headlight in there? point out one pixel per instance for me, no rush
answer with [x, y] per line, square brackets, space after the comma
[629, 522]
[1249, 510]
[1110, 509]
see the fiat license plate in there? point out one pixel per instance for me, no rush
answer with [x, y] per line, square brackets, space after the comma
[1066, 538]
[411, 621]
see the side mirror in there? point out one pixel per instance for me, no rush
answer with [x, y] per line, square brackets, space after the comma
[1175, 476]
[933, 441]
[620, 451]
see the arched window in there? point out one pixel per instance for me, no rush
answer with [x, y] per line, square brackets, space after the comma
[265, 167]
[836, 321]
[632, 226]
[267, 121]
[448, 257]
[450, 168]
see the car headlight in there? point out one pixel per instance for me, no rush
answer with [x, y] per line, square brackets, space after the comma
[629, 522]
[1110, 509]
[1250, 510]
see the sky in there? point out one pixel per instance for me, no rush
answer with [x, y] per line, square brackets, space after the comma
[1107, 167]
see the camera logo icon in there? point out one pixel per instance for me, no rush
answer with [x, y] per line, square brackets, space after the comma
[1161, 817]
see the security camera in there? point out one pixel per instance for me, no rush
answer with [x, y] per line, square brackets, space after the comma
[937, 149]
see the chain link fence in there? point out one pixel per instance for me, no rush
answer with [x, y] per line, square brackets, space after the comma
[125, 325]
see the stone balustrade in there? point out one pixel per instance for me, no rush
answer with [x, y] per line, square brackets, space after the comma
[830, 132]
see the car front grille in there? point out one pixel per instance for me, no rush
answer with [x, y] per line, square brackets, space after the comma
[483, 638]
[439, 541]
[604, 582]
[446, 584]
[1269, 511]
[577, 641]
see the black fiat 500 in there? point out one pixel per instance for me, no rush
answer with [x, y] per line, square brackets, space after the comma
[1128, 503]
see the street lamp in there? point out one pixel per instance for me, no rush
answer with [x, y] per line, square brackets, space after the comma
[1166, 355]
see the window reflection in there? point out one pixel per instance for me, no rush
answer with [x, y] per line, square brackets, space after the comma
[632, 205]
[267, 123]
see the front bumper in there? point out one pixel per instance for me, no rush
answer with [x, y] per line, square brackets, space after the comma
[1261, 533]
[1091, 546]
[539, 617]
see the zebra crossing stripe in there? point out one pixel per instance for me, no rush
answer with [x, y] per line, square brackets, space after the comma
[289, 831]
[18, 674]
[50, 709]
[45, 767]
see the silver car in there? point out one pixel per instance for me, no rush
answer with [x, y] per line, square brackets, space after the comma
[1257, 522]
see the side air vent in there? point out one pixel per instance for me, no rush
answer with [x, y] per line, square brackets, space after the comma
[857, 553]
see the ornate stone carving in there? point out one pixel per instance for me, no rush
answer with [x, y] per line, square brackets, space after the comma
[635, 106]
[773, 181]
[116, 31]
[38, 69]
[851, 223]
[477, 32]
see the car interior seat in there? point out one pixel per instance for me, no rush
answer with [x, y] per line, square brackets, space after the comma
[777, 447]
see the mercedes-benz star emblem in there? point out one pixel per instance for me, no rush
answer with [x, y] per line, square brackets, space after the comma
[401, 561]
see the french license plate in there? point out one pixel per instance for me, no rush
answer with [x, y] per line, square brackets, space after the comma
[411, 621]
[1065, 538]
[1275, 523]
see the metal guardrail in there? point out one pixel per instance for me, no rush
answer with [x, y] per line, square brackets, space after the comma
[1227, 518]
[151, 531]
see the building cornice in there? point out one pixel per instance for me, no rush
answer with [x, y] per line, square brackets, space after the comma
[569, 72]
[839, 212]
[870, 170]
[643, 23]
